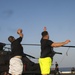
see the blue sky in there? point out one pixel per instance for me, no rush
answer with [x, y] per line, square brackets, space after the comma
[32, 15]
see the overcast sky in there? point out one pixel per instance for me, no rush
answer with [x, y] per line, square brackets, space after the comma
[32, 15]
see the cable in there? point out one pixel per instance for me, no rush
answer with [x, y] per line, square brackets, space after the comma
[40, 45]
[65, 55]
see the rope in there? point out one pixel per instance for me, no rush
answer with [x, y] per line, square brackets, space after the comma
[64, 55]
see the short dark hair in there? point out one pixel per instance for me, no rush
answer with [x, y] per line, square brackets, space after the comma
[44, 33]
[10, 38]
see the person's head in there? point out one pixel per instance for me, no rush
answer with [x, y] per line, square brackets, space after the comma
[11, 38]
[45, 35]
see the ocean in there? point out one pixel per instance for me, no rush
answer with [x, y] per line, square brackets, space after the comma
[65, 69]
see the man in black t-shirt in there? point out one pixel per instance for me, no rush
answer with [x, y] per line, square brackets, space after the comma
[16, 65]
[57, 68]
[47, 45]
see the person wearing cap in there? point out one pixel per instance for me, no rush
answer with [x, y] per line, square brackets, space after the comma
[46, 55]
[15, 64]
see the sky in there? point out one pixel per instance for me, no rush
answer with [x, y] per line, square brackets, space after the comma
[31, 16]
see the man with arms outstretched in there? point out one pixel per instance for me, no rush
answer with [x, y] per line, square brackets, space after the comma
[47, 45]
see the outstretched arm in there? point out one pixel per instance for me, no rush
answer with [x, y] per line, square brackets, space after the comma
[19, 31]
[45, 29]
[59, 44]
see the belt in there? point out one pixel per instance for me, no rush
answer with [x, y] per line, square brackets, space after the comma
[18, 57]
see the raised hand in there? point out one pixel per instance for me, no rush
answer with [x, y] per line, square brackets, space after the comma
[19, 31]
[45, 29]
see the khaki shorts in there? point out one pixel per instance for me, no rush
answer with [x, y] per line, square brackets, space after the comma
[16, 66]
[45, 65]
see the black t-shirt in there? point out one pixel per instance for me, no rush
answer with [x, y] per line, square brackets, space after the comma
[46, 49]
[56, 65]
[16, 47]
